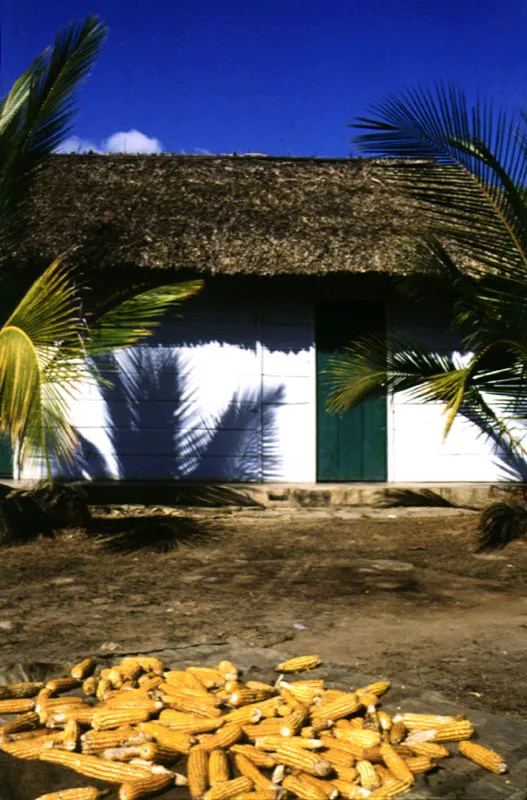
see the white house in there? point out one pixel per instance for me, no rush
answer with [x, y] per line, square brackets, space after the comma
[299, 256]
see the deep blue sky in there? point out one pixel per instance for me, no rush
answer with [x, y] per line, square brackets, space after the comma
[279, 76]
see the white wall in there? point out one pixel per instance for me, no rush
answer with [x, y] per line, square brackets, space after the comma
[224, 391]
[416, 449]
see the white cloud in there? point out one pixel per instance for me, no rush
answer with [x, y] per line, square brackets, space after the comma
[74, 144]
[132, 142]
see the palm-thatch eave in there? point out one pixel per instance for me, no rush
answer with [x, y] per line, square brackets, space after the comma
[252, 214]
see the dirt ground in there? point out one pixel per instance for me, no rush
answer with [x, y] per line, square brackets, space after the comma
[391, 593]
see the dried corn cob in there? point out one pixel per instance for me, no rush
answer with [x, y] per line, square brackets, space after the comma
[368, 778]
[107, 718]
[148, 682]
[60, 685]
[104, 686]
[395, 763]
[246, 715]
[362, 738]
[89, 686]
[339, 758]
[24, 735]
[453, 732]
[259, 795]
[378, 688]
[30, 748]
[82, 714]
[148, 664]
[192, 681]
[94, 742]
[226, 736]
[146, 787]
[93, 767]
[267, 727]
[423, 722]
[351, 791]
[24, 722]
[209, 676]
[219, 770]
[324, 786]
[83, 669]
[246, 767]
[385, 721]
[154, 751]
[228, 671]
[15, 691]
[258, 757]
[397, 732]
[176, 740]
[243, 696]
[131, 670]
[176, 677]
[342, 706]
[197, 773]
[302, 790]
[292, 724]
[403, 750]
[192, 704]
[391, 789]
[430, 749]
[229, 789]
[189, 723]
[125, 753]
[299, 664]
[18, 705]
[271, 742]
[417, 764]
[347, 773]
[86, 793]
[483, 756]
[303, 760]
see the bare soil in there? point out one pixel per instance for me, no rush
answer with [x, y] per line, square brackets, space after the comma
[392, 593]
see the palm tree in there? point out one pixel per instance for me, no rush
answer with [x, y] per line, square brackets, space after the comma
[46, 343]
[464, 167]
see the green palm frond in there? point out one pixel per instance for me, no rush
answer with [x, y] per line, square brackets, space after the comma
[465, 167]
[37, 114]
[136, 317]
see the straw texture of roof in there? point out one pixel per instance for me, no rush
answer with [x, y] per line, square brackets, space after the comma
[256, 215]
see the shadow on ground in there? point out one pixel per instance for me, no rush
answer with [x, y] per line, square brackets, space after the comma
[157, 533]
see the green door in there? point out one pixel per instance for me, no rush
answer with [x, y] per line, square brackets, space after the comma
[350, 446]
[6, 458]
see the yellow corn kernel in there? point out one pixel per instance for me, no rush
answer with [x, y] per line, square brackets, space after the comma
[395, 763]
[93, 767]
[154, 751]
[423, 722]
[146, 787]
[151, 664]
[176, 677]
[149, 681]
[397, 732]
[203, 706]
[368, 778]
[192, 681]
[349, 790]
[267, 727]
[346, 773]
[107, 718]
[18, 705]
[292, 724]
[453, 732]
[305, 760]
[83, 669]
[273, 741]
[368, 700]
[329, 791]
[268, 687]
[418, 764]
[131, 670]
[104, 686]
[209, 676]
[302, 790]
[71, 735]
[60, 685]
[362, 738]
[94, 742]
[89, 686]
[403, 750]
[385, 776]
[378, 688]
[343, 706]
[430, 749]
[391, 789]
[246, 767]
[338, 758]
[176, 740]
[82, 714]
[82, 793]
[258, 795]
[226, 736]
[229, 789]
[243, 696]
[299, 664]
[15, 691]
[125, 753]
[258, 757]
[228, 671]
[219, 770]
[189, 723]
[385, 720]
[483, 756]
[30, 748]
[24, 722]
[246, 715]
[197, 773]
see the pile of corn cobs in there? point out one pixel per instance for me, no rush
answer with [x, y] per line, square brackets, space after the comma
[242, 740]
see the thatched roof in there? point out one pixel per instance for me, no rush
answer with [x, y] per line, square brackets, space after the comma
[256, 215]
